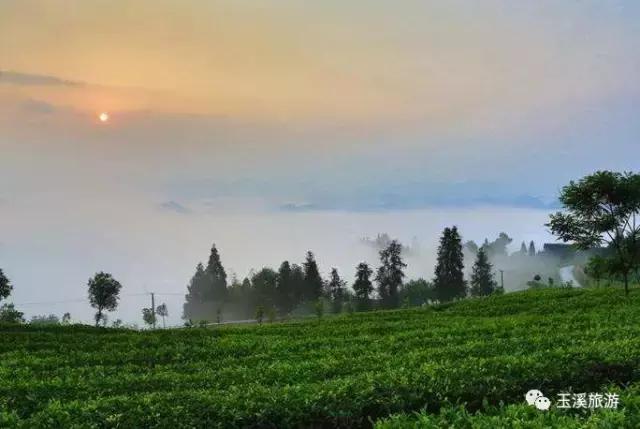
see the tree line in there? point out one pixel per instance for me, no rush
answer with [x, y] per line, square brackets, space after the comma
[600, 212]
[295, 289]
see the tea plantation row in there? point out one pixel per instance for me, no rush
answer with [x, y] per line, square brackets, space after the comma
[346, 371]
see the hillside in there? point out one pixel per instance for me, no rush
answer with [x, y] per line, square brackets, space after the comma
[346, 371]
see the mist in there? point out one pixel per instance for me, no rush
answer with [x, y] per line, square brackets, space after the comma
[154, 247]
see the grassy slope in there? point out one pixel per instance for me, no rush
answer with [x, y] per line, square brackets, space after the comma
[342, 371]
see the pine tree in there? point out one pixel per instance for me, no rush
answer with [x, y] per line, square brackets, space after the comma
[482, 280]
[389, 276]
[312, 279]
[297, 284]
[449, 280]
[532, 248]
[217, 278]
[523, 249]
[363, 286]
[197, 294]
[337, 290]
[285, 289]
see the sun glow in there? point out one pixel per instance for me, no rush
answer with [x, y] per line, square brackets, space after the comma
[104, 117]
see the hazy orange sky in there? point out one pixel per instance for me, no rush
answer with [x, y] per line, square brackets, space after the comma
[276, 126]
[444, 62]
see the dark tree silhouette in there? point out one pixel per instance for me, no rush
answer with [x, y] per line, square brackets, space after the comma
[163, 312]
[265, 283]
[337, 290]
[390, 274]
[363, 286]
[5, 286]
[217, 277]
[285, 299]
[416, 292]
[149, 316]
[312, 279]
[482, 279]
[532, 248]
[197, 295]
[449, 280]
[523, 249]
[104, 293]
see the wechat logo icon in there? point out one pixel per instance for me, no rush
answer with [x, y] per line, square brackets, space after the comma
[536, 398]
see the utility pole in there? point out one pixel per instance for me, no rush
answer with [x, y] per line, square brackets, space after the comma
[153, 308]
[502, 279]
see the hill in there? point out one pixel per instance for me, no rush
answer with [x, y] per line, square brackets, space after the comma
[345, 371]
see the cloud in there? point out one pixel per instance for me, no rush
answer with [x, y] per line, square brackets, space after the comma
[38, 106]
[175, 207]
[27, 79]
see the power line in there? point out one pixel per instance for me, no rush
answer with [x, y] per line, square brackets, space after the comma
[67, 301]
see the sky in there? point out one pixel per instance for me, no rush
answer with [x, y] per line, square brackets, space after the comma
[276, 126]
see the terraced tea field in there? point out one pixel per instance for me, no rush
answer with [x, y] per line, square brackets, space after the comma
[464, 365]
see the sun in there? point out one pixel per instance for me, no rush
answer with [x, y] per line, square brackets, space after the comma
[104, 117]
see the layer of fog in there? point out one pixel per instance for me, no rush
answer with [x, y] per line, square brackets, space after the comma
[50, 255]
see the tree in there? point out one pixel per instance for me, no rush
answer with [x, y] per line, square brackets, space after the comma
[50, 319]
[286, 299]
[312, 279]
[103, 294]
[523, 249]
[163, 312]
[498, 247]
[363, 286]
[601, 209]
[449, 280]
[390, 274]
[66, 318]
[149, 316]
[265, 284]
[416, 292]
[597, 267]
[195, 300]
[337, 290]
[259, 314]
[532, 248]
[482, 279]
[9, 314]
[217, 276]
[5, 286]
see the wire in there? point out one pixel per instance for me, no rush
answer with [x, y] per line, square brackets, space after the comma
[85, 299]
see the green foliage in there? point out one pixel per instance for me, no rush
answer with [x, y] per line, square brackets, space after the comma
[207, 289]
[163, 312]
[104, 293]
[390, 274]
[343, 372]
[5, 286]
[449, 283]
[363, 287]
[524, 416]
[149, 317]
[50, 319]
[271, 314]
[417, 292]
[482, 279]
[259, 314]
[9, 314]
[601, 209]
[337, 291]
[312, 279]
